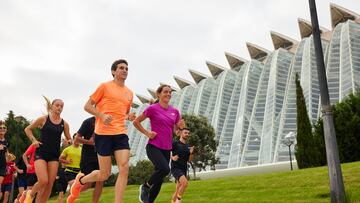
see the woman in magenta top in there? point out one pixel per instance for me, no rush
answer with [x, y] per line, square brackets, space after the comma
[163, 120]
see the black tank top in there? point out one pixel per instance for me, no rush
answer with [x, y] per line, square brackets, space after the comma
[50, 137]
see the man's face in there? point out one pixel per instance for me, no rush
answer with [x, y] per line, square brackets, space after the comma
[121, 71]
[185, 134]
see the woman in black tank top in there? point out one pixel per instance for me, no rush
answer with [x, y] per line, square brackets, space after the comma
[48, 149]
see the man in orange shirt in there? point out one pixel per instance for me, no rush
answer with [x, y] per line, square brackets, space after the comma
[110, 104]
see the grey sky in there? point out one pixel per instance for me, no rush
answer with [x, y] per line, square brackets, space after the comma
[64, 49]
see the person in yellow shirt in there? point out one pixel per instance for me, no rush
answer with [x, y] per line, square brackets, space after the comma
[71, 157]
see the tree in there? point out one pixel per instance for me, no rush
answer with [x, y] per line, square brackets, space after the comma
[141, 172]
[347, 127]
[202, 137]
[319, 140]
[306, 153]
[16, 135]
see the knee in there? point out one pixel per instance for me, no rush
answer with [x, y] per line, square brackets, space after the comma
[184, 183]
[103, 175]
[43, 182]
[124, 169]
[165, 171]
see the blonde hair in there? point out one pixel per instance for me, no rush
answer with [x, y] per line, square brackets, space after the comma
[11, 156]
[49, 104]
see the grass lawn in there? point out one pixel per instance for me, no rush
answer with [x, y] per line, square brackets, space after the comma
[308, 185]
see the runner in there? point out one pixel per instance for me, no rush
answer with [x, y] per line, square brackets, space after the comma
[11, 169]
[110, 104]
[163, 119]
[48, 149]
[70, 157]
[89, 160]
[28, 158]
[4, 145]
[181, 154]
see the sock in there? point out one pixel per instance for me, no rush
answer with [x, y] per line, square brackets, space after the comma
[80, 180]
[146, 184]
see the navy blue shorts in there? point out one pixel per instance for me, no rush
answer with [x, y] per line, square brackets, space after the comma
[31, 179]
[22, 182]
[89, 165]
[177, 173]
[106, 145]
[5, 188]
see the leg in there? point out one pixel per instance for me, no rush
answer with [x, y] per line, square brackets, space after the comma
[61, 197]
[42, 174]
[160, 159]
[122, 161]
[183, 182]
[99, 175]
[52, 168]
[6, 197]
[176, 191]
[97, 191]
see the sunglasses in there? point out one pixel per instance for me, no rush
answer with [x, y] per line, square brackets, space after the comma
[3, 128]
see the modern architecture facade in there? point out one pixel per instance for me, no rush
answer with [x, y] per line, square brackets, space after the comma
[252, 104]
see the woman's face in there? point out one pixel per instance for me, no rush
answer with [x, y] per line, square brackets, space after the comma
[165, 94]
[3, 130]
[57, 106]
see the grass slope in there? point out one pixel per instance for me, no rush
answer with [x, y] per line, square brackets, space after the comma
[308, 185]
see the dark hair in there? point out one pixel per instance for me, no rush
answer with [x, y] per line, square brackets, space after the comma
[181, 129]
[117, 62]
[2, 123]
[160, 89]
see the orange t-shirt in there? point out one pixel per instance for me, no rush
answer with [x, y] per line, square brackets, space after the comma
[114, 100]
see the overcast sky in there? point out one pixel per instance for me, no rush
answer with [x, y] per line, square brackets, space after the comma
[64, 49]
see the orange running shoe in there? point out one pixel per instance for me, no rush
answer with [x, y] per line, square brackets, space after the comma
[71, 199]
[76, 186]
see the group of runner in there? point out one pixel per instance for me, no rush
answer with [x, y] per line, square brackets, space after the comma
[102, 136]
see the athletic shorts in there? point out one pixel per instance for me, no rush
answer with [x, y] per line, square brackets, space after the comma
[3, 171]
[6, 188]
[106, 145]
[39, 154]
[61, 183]
[177, 173]
[89, 165]
[69, 175]
[31, 179]
[22, 182]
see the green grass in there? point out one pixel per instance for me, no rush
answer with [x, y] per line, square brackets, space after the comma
[308, 185]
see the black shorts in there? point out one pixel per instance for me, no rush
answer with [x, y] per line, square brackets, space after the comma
[61, 183]
[89, 165]
[31, 179]
[177, 173]
[5, 188]
[39, 154]
[69, 175]
[3, 170]
[106, 145]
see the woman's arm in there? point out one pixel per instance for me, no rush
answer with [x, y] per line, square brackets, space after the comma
[137, 124]
[38, 123]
